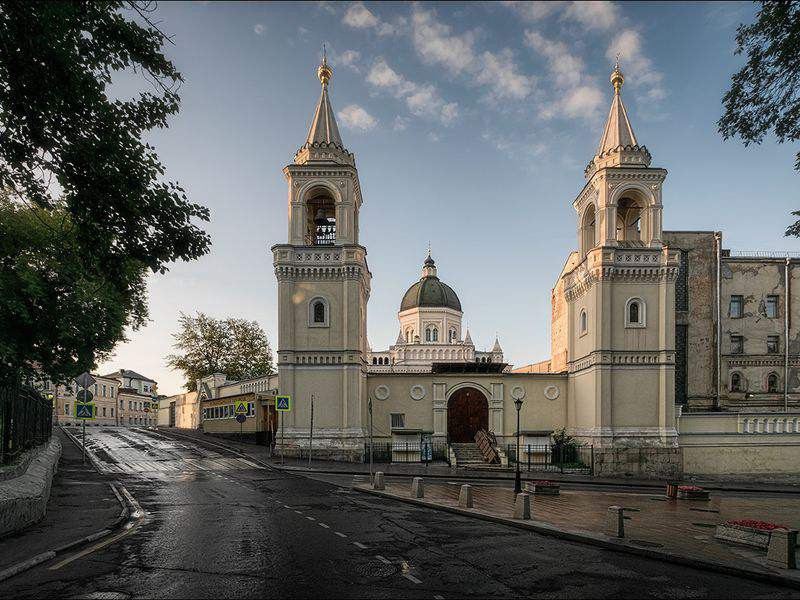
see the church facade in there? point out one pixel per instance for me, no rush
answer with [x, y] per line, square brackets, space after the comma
[637, 323]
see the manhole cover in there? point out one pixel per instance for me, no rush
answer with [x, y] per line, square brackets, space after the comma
[375, 569]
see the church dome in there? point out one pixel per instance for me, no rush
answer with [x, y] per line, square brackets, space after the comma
[430, 291]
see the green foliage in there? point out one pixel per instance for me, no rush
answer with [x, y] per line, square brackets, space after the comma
[56, 314]
[765, 93]
[563, 446]
[72, 155]
[236, 347]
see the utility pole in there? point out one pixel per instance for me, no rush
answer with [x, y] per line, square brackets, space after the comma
[369, 405]
[282, 417]
[311, 432]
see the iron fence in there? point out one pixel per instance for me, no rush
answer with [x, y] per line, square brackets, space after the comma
[26, 420]
[407, 452]
[563, 459]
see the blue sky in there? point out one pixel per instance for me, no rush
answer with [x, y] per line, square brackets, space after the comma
[471, 125]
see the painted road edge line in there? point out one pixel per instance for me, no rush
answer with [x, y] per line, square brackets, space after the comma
[411, 578]
[340, 534]
[359, 545]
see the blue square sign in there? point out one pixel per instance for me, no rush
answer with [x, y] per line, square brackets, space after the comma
[283, 403]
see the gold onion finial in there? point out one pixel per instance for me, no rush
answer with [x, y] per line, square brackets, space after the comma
[324, 72]
[617, 78]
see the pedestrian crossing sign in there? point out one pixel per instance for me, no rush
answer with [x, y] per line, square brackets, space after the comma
[84, 410]
[283, 403]
[241, 408]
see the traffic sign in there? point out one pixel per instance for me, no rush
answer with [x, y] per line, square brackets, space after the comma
[241, 408]
[84, 410]
[240, 418]
[84, 396]
[283, 403]
[84, 380]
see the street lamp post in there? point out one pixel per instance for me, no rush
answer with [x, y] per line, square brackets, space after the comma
[517, 479]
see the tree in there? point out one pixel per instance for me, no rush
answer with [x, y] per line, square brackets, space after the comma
[71, 153]
[765, 93]
[236, 347]
[58, 317]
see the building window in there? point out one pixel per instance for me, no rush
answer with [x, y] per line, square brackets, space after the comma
[318, 313]
[66, 409]
[737, 344]
[435, 334]
[104, 390]
[772, 383]
[453, 336]
[773, 344]
[112, 411]
[736, 383]
[584, 322]
[409, 336]
[428, 334]
[112, 391]
[398, 420]
[635, 313]
[682, 283]
[737, 304]
[771, 307]
[104, 411]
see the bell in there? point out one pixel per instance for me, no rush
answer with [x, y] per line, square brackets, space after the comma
[320, 219]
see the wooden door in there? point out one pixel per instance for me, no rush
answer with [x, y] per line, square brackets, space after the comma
[467, 413]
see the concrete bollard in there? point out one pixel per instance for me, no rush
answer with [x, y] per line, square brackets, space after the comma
[377, 481]
[522, 506]
[465, 496]
[615, 522]
[781, 550]
[417, 488]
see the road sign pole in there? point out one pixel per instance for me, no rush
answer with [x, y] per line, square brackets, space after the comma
[370, 437]
[311, 432]
[83, 444]
[282, 419]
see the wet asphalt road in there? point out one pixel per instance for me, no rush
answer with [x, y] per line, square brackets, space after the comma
[218, 526]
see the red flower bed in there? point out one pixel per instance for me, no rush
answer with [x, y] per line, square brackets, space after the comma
[689, 488]
[762, 525]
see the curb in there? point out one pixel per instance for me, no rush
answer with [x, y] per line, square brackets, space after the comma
[593, 540]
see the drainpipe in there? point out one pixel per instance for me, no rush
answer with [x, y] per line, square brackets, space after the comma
[786, 308]
[718, 246]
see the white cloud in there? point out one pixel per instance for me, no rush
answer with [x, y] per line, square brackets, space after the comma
[595, 14]
[400, 123]
[501, 75]
[638, 69]
[354, 116]
[534, 11]
[348, 58]
[433, 137]
[258, 28]
[359, 16]
[422, 100]
[583, 101]
[435, 44]
[567, 67]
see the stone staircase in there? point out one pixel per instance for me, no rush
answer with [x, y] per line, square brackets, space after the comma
[468, 455]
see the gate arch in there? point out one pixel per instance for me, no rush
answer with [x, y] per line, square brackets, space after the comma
[467, 413]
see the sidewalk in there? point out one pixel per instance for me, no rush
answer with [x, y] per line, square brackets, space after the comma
[672, 530]
[442, 470]
[81, 503]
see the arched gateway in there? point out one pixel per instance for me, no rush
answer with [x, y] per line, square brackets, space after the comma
[467, 412]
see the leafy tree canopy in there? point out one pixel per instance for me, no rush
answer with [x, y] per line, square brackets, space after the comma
[765, 93]
[72, 154]
[205, 345]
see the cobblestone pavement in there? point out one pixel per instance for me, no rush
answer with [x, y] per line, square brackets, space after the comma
[684, 527]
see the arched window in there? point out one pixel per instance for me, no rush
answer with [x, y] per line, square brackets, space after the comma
[772, 383]
[588, 230]
[629, 219]
[453, 337]
[320, 218]
[428, 334]
[435, 334]
[634, 313]
[318, 313]
[736, 382]
[374, 361]
[584, 322]
[409, 335]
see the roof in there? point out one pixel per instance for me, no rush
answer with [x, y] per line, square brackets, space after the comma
[618, 131]
[128, 373]
[323, 127]
[430, 291]
[467, 367]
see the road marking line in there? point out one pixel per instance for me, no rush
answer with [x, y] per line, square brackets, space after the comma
[438, 597]
[323, 525]
[359, 545]
[411, 578]
[298, 512]
[286, 506]
[311, 518]
[340, 534]
[383, 559]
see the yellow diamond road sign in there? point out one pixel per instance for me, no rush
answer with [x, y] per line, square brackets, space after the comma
[283, 403]
[241, 408]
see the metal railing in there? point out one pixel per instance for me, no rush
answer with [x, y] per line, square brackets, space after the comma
[407, 452]
[557, 459]
[26, 420]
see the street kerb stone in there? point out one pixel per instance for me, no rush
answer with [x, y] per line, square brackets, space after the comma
[417, 488]
[465, 496]
[615, 522]
[378, 482]
[782, 548]
[522, 506]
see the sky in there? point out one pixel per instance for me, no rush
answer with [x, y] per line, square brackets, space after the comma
[471, 125]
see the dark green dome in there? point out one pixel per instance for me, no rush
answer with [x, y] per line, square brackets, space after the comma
[431, 292]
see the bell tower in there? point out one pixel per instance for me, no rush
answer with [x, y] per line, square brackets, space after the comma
[323, 288]
[620, 296]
